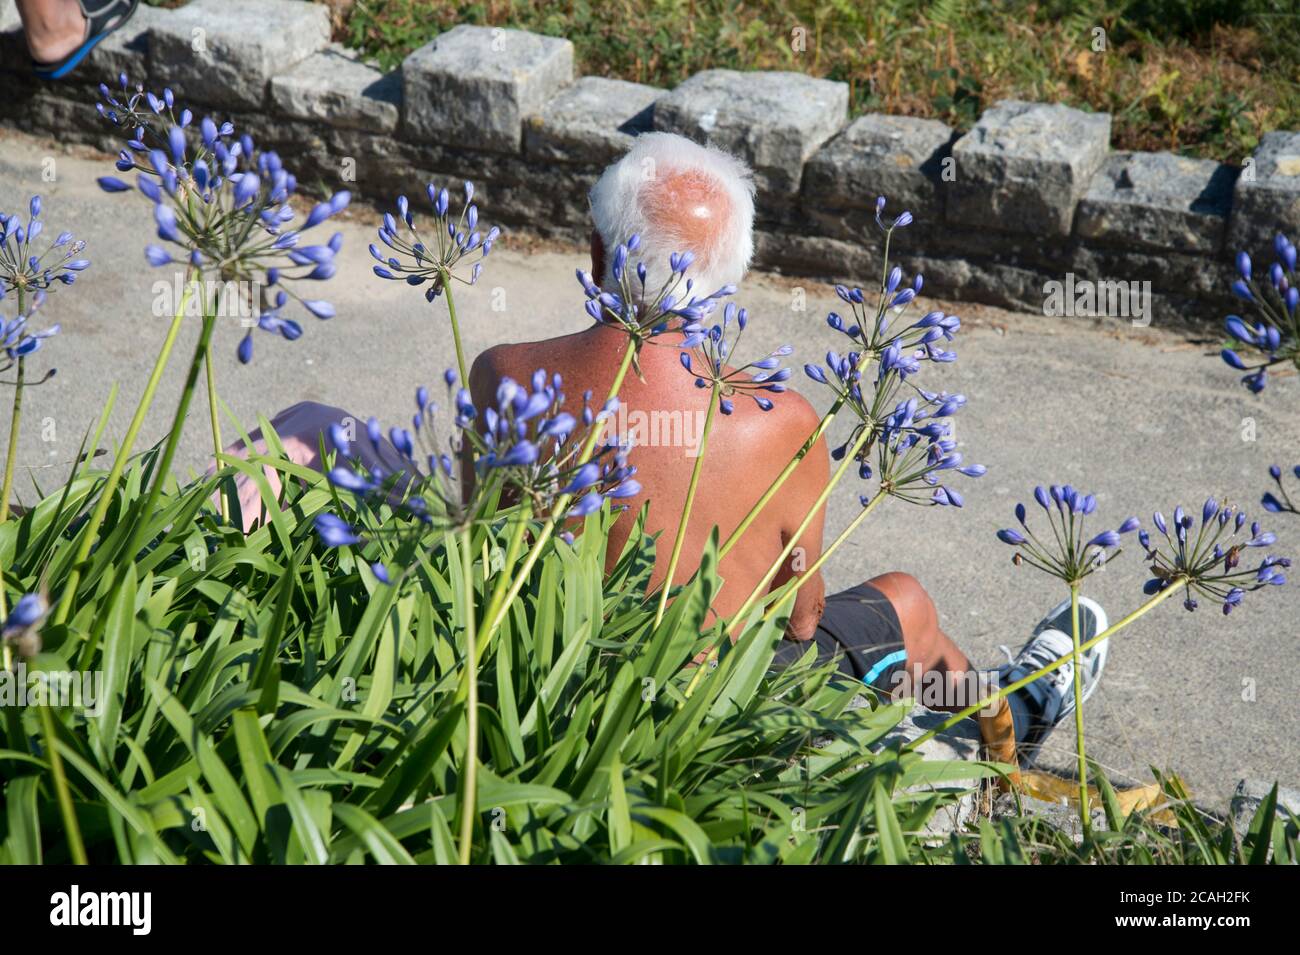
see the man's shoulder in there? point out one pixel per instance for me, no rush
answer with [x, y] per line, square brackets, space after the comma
[513, 359]
[500, 361]
[792, 414]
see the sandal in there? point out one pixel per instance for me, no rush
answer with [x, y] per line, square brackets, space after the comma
[102, 18]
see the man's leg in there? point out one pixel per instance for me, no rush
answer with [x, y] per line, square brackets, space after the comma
[937, 672]
[886, 633]
[941, 677]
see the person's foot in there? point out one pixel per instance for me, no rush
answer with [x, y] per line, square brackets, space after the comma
[1050, 698]
[60, 35]
[56, 32]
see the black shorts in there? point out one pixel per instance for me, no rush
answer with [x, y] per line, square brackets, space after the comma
[860, 627]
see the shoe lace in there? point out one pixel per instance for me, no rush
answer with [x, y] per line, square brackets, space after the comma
[1035, 657]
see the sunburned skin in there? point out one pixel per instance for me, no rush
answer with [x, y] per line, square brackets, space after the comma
[747, 450]
[665, 411]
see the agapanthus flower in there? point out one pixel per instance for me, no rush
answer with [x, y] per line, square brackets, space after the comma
[1207, 560]
[525, 446]
[28, 268]
[906, 434]
[1273, 338]
[18, 339]
[1071, 553]
[889, 225]
[222, 209]
[915, 455]
[458, 243]
[642, 311]
[21, 629]
[707, 354]
[1272, 502]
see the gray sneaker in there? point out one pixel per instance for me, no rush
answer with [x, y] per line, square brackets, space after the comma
[1052, 695]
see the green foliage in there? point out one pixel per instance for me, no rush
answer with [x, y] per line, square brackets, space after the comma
[1175, 833]
[1203, 77]
[264, 699]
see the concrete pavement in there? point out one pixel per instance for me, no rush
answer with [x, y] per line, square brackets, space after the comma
[1144, 418]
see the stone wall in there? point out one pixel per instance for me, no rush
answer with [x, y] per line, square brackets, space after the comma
[1030, 194]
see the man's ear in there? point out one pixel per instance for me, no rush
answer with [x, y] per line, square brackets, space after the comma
[597, 257]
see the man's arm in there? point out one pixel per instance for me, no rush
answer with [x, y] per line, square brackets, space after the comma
[798, 496]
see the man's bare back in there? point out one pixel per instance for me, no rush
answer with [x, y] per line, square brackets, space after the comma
[747, 451]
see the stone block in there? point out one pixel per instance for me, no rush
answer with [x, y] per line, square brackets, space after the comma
[1250, 795]
[471, 87]
[898, 157]
[1024, 166]
[593, 121]
[224, 52]
[775, 121]
[1158, 200]
[336, 88]
[958, 743]
[1266, 199]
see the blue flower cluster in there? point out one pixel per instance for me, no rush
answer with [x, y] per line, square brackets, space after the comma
[458, 242]
[713, 346]
[23, 268]
[225, 205]
[901, 425]
[21, 629]
[17, 340]
[1271, 502]
[1274, 338]
[1209, 562]
[525, 446]
[1071, 555]
[645, 313]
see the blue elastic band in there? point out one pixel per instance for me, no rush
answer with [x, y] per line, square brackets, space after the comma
[883, 664]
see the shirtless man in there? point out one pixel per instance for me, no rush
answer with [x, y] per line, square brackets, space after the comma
[700, 200]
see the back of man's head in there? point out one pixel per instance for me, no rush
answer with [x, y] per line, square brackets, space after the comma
[678, 196]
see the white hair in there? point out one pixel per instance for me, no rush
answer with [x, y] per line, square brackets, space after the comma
[648, 193]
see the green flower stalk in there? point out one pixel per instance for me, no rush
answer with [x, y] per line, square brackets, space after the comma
[691, 488]
[469, 767]
[11, 456]
[1072, 556]
[1005, 691]
[456, 244]
[90, 532]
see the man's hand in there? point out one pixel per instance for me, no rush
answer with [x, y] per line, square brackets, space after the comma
[808, 607]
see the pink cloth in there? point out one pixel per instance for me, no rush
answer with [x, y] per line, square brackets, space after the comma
[300, 428]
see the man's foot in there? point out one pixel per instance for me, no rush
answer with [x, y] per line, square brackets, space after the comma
[1050, 698]
[61, 38]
